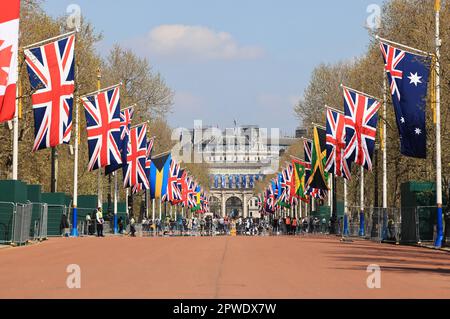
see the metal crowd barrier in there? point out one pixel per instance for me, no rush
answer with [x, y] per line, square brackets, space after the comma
[379, 224]
[22, 224]
[7, 213]
[15, 223]
[39, 221]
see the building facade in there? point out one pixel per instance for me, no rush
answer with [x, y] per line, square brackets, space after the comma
[238, 158]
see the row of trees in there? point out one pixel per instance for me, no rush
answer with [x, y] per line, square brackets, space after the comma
[409, 22]
[141, 85]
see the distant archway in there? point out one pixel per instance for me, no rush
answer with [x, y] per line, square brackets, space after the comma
[234, 207]
[215, 205]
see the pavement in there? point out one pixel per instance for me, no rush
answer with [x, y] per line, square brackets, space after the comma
[222, 268]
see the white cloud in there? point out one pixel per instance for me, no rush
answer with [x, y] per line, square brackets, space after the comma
[198, 42]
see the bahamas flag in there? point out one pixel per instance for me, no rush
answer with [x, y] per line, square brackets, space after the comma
[159, 175]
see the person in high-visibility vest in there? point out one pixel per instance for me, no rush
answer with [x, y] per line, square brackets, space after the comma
[294, 226]
[288, 225]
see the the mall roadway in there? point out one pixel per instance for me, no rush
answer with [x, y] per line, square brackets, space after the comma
[226, 267]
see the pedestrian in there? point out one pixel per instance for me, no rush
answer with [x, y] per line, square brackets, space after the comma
[100, 222]
[288, 225]
[120, 224]
[132, 227]
[294, 226]
[88, 225]
[324, 225]
[64, 225]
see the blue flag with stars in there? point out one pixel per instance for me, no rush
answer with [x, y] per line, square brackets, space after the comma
[408, 76]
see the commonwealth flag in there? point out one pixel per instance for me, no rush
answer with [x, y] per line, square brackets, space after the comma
[318, 178]
[159, 175]
[300, 178]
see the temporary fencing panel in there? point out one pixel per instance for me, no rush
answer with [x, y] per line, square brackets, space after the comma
[22, 224]
[7, 211]
[39, 221]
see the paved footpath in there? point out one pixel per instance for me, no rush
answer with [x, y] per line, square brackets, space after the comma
[225, 267]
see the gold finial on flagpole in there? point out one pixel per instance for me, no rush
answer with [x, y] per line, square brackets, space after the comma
[437, 5]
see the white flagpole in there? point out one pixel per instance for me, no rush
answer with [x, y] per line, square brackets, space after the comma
[385, 199]
[330, 195]
[361, 218]
[15, 166]
[99, 174]
[345, 232]
[147, 205]
[126, 201]
[440, 231]
[116, 190]
[74, 232]
[384, 142]
[15, 154]
[153, 210]
[160, 210]
[75, 171]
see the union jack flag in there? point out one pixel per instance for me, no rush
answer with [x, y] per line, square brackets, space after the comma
[182, 185]
[103, 128]
[286, 183]
[361, 120]
[51, 73]
[173, 194]
[140, 187]
[336, 144]
[191, 193]
[134, 169]
[126, 116]
[393, 57]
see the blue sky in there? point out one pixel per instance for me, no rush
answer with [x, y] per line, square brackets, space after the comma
[248, 60]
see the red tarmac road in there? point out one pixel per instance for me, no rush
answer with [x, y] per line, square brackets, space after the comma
[225, 267]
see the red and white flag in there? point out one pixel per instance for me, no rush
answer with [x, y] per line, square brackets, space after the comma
[9, 43]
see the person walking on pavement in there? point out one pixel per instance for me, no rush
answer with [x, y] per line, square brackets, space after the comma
[100, 222]
[132, 227]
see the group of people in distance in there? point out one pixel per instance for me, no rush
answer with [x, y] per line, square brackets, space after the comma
[205, 225]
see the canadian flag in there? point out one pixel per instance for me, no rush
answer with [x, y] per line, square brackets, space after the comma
[9, 43]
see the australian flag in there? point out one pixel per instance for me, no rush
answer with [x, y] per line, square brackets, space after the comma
[408, 78]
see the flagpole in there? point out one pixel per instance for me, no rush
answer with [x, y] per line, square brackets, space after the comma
[116, 190]
[74, 232]
[362, 232]
[418, 52]
[346, 219]
[15, 166]
[440, 227]
[330, 195]
[153, 210]
[99, 173]
[147, 205]
[58, 37]
[361, 93]
[126, 201]
[384, 142]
